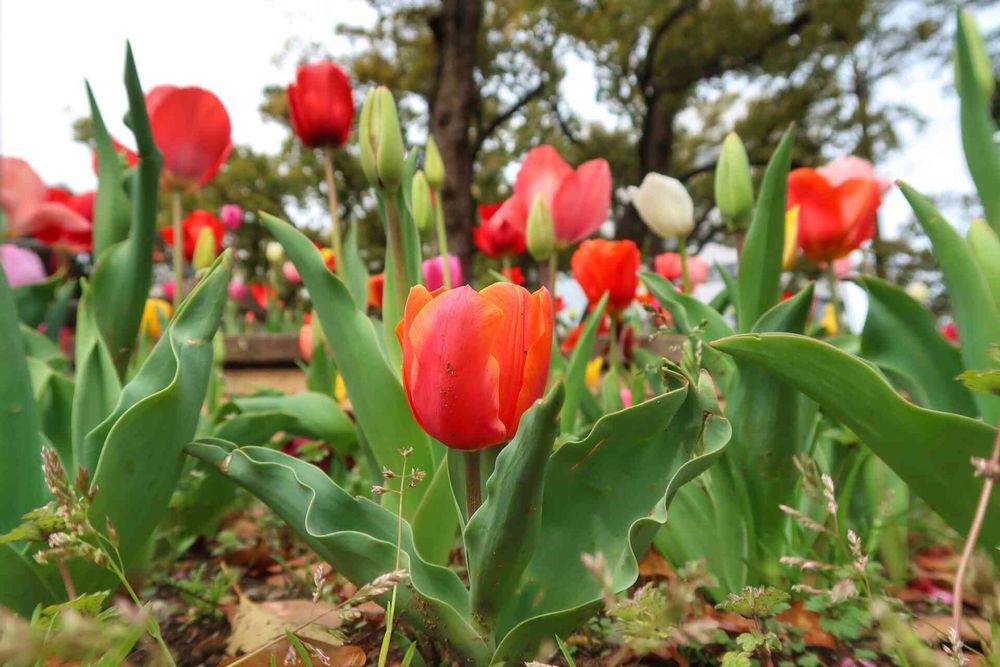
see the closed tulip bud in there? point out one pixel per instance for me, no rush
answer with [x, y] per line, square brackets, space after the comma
[423, 207]
[274, 252]
[381, 140]
[733, 185]
[433, 164]
[541, 232]
[664, 205]
[204, 249]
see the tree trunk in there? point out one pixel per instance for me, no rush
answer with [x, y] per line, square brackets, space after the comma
[456, 36]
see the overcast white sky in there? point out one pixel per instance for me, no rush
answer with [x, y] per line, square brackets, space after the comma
[48, 47]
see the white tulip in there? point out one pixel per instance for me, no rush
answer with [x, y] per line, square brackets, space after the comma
[274, 252]
[664, 205]
[918, 291]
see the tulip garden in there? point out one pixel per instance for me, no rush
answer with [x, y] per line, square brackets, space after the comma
[572, 456]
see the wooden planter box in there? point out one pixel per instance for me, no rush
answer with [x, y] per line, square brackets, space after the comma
[262, 349]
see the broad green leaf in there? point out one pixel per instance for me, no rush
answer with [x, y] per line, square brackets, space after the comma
[139, 446]
[123, 273]
[377, 396]
[96, 378]
[58, 312]
[435, 521]
[53, 390]
[355, 271]
[21, 485]
[900, 335]
[22, 585]
[760, 261]
[576, 369]
[43, 348]
[33, 299]
[502, 535]
[973, 76]
[111, 206]
[356, 536]
[976, 316]
[607, 493]
[314, 415]
[929, 450]
[985, 246]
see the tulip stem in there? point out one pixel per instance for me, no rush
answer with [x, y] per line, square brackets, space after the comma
[442, 238]
[685, 278]
[831, 276]
[473, 485]
[394, 236]
[178, 252]
[613, 359]
[553, 273]
[331, 198]
[505, 268]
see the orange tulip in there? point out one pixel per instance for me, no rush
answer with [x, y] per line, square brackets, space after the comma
[469, 391]
[603, 266]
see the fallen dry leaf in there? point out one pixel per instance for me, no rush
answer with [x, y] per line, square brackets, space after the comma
[338, 656]
[801, 617]
[655, 565]
[254, 623]
[935, 628]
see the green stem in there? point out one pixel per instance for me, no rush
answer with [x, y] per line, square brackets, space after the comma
[473, 484]
[686, 280]
[331, 198]
[505, 267]
[178, 252]
[394, 236]
[442, 239]
[613, 352]
[553, 274]
[834, 282]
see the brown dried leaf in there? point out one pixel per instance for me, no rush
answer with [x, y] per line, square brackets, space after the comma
[255, 623]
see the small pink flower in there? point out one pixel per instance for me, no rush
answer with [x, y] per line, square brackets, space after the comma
[168, 290]
[434, 272]
[21, 265]
[237, 290]
[232, 216]
[291, 273]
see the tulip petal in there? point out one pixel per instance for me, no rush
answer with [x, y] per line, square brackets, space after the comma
[21, 192]
[859, 202]
[820, 220]
[452, 377]
[542, 172]
[56, 224]
[320, 104]
[582, 202]
[192, 129]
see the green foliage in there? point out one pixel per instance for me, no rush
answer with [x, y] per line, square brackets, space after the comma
[755, 602]
[576, 368]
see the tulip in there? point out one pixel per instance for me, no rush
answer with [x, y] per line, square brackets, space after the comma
[950, 332]
[231, 216]
[733, 184]
[262, 294]
[668, 265]
[274, 252]
[664, 205]
[837, 207]
[469, 391]
[168, 290]
[513, 274]
[128, 157]
[381, 140]
[790, 250]
[500, 233]
[320, 105]
[433, 270]
[306, 342]
[376, 286]
[593, 372]
[53, 216]
[191, 128]
[603, 266]
[291, 273]
[191, 228]
[153, 313]
[21, 265]
[204, 249]
[541, 235]
[421, 201]
[579, 200]
[237, 290]
[433, 164]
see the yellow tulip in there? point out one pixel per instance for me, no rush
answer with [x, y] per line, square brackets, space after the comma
[593, 373]
[340, 389]
[791, 238]
[152, 313]
[829, 321]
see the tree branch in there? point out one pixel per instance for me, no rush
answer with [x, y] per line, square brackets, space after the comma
[507, 114]
[646, 73]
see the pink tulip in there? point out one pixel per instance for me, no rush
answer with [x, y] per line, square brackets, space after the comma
[232, 216]
[237, 290]
[31, 212]
[168, 290]
[291, 273]
[21, 265]
[579, 199]
[434, 272]
[668, 265]
[849, 167]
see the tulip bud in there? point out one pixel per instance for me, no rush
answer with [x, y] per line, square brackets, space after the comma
[274, 252]
[204, 249]
[664, 205]
[541, 234]
[232, 216]
[381, 140]
[733, 185]
[433, 164]
[423, 208]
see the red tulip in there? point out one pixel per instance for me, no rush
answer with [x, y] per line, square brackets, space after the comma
[514, 275]
[320, 105]
[668, 265]
[191, 227]
[262, 294]
[603, 266]
[53, 216]
[376, 285]
[579, 200]
[837, 206]
[501, 228]
[191, 128]
[469, 391]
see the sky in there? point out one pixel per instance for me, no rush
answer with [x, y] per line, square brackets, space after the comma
[44, 61]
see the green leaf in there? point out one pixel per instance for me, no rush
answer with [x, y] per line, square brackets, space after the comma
[53, 391]
[377, 396]
[140, 444]
[111, 206]
[22, 585]
[355, 271]
[21, 484]
[435, 521]
[972, 71]
[985, 246]
[502, 535]
[576, 369]
[760, 261]
[96, 378]
[43, 348]
[33, 299]
[356, 536]
[123, 273]
[976, 316]
[929, 450]
[607, 493]
[314, 415]
[900, 335]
